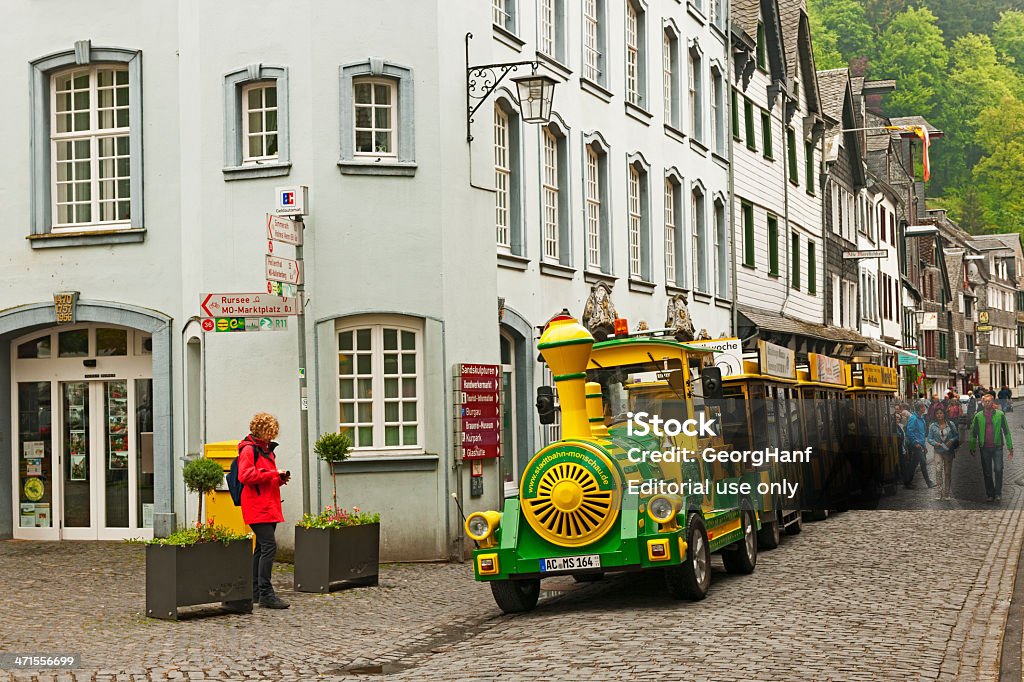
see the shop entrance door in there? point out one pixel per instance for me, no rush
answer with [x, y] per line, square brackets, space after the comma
[84, 447]
[97, 462]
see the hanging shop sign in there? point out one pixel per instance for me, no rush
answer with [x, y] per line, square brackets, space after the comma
[871, 253]
[777, 361]
[825, 369]
[65, 305]
[728, 354]
[477, 408]
[876, 376]
[905, 359]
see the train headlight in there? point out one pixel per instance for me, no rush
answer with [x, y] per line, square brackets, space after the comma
[480, 526]
[662, 508]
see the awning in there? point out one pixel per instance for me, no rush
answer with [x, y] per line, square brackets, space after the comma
[897, 349]
[776, 322]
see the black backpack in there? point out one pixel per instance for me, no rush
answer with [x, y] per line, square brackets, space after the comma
[234, 485]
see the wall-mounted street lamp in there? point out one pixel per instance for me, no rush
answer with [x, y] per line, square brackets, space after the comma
[535, 91]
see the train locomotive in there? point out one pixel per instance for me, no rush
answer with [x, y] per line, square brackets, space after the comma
[591, 503]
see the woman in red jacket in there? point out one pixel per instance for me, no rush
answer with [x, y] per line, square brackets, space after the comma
[261, 502]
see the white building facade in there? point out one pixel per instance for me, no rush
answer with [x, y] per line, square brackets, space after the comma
[626, 186]
[145, 149]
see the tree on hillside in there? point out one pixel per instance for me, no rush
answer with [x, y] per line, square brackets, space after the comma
[847, 21]
[880, 12]
[1008, 37]
[911, 50]
[826, 43]
[958, 18]
[977, 80]
[998, 178]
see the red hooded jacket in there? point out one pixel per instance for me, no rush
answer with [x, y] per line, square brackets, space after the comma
[261, 494]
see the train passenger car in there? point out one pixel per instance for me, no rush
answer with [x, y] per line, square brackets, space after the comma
[871, 428]
[821, 389]
[586, 506]
[760, 410]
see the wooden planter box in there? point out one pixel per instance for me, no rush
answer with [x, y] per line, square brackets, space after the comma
[197, 574]
[336, 557]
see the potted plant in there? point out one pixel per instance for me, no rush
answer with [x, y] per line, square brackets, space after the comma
[201, 564]
[337, 547]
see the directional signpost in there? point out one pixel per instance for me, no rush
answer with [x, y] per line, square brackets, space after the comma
[284, 270]
[247, 305]
[873, 253]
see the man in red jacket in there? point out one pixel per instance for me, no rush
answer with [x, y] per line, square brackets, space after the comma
[261, 502]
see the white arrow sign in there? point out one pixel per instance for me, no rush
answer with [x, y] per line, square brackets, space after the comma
[284, 270]
[247, 305]
[281, 229]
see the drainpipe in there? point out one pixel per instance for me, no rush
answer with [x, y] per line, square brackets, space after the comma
[787, 242]
[734, 312]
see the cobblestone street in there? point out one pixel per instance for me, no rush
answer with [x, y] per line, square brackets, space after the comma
[889, 595]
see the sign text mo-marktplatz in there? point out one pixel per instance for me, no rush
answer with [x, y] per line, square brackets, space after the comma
[247, 305]
[244, 324]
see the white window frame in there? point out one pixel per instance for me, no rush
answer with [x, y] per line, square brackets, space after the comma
[635, 223]
[592, 202]
[671, 231]
[93, 135]
[723, 263]
[393, 104]
[699, 232]
[695, 78]
[717, 119]
[633, 94]
[550, 195]
[263, 111]
[593, 57]
[502, 179]
[377, 325]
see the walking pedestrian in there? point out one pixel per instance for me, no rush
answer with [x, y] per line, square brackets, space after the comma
[945, 438]
[917, 445]
[934, 405]
[989, 430]
[1004, 399]
[261, 502]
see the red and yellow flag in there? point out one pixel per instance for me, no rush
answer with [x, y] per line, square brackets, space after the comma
[921, 132]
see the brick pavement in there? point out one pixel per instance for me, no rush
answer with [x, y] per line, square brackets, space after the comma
[896, 594]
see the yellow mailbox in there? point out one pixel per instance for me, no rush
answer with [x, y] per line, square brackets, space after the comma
[219, 506]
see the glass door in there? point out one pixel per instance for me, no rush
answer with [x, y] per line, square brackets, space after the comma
[35, 470]
[98, 462]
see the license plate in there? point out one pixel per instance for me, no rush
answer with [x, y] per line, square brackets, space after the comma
[570, 563]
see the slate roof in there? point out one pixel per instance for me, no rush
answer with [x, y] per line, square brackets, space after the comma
[996, 241]
[745, 14]
[789, 16]
[776, 322]
[857, 83]
[832, 89]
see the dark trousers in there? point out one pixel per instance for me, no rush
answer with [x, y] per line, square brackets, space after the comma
[917, 455]
[992, 469]
[263, 559]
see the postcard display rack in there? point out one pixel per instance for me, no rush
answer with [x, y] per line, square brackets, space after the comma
[117, 425]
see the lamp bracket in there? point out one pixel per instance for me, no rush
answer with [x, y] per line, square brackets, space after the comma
[482, 80]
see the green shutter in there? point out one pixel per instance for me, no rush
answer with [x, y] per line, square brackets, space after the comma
[762, 61]
[812, 269]
[791, 144]
[794, 261]
[766, 134]
[748, 120]
[773, 245]
[735, 115]
[748, 234]
[809, 168]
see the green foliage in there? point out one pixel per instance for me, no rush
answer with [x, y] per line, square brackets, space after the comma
[825, 40]
[847, 21]
[912, 51]
[998, 178]
[958, 18]
[976, 80]
[332, 517]
[333, 447]
[200, 532]
[202, 475]
[1008, 38]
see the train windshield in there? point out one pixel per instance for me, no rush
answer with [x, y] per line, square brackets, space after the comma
[650, 387]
